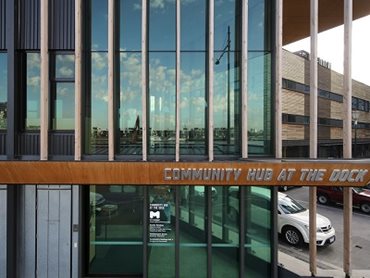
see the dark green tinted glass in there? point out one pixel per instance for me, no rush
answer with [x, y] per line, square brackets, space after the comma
[258, 232]
[115, 230]
[193, 240]
[161, 238]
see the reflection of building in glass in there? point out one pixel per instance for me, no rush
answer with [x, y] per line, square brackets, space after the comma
[330, 109]
[113, 93]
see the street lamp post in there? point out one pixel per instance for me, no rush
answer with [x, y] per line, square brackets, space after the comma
[227, 50]
[355, 117]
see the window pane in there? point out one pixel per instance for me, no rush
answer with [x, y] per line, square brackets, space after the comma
[130, 120]
[33, 91]
[259, 25]
[115, 230]
[162, 25]
[64, 107]
[3, 90]
[259, 103]
[130, 25]
[193, 104]
[193, 25]
[65, 66]
[162, 101]
[193, 242]
[227, 17]
[225, 231]
[161, 262]
[226, 105]
[258, 231]
[97, 106]
[99, 25]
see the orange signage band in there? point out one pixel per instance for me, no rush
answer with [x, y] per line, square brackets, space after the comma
[270, 173]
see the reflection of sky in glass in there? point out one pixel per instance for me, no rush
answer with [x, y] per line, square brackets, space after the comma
[3, 77]
[193, 25]
[130, 25]
[192, 104]
[162, 91]
[64, 66]
[99, 24]
[257, 35]
[130, 90]
[162, 27]
[221, 91]
[33, 91]
[258, 83]
[64, 107]
[99, 90]
[224, 17]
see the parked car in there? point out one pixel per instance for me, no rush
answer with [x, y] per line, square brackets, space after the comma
[293, 218]
[293, 223]
[284, 188]
[334, 194]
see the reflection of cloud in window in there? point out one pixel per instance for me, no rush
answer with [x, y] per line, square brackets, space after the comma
[99, 60]
[65, 71]
[33, 81]
[66, 58]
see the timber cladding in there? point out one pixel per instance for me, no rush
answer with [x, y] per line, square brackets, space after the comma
[270, 173]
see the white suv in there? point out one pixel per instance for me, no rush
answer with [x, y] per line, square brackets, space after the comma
[293, 220]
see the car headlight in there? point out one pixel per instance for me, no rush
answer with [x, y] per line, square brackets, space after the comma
[318, 229]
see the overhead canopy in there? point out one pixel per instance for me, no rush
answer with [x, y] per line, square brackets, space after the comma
[296, 16]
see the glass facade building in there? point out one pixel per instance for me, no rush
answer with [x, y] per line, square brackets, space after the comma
[100, 98]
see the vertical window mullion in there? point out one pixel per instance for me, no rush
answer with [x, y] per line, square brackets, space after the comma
[178, 67]
[144, 75]
[210, 78]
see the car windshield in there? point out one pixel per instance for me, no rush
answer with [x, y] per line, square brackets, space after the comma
[289, 206]
[358, 189]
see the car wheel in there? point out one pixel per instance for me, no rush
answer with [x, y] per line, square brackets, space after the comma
[293, 236]
[233, 215]
[365, 207]
[323, 199]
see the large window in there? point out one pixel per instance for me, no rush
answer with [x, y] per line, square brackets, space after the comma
[96, 100]
[32, 119]
[177, 223]
[63, 93]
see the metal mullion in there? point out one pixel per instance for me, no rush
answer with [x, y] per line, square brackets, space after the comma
[278, 78]
[209, 230]
[210, 78]
[144, 76]
[244, 80]
[178, 68]
[347, 136]
[111, 81]
[44, 82]
[145, 232]
[177, 232]
[313, 132]
[242, 232]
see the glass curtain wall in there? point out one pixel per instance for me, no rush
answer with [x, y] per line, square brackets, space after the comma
[130, 105]
[178, 234]
[227, 101]
[260, 101]
[96, 101]
[193, 101]
[162, 73]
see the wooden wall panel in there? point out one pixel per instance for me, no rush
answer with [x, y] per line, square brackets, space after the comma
[272, 172]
